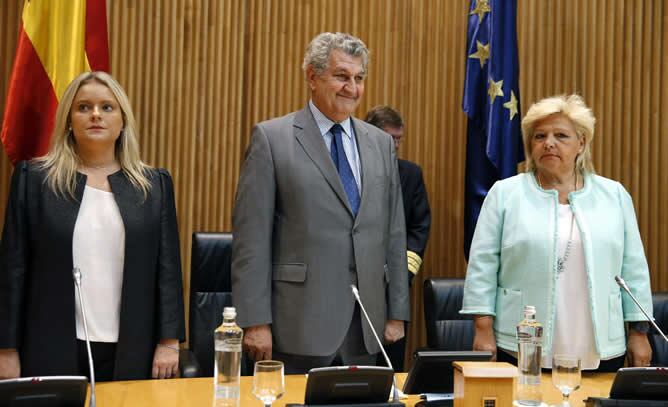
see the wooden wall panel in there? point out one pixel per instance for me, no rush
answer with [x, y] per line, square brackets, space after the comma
[181, 63]
[200, 73]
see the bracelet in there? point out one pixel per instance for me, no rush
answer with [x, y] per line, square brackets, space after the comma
[172, 347]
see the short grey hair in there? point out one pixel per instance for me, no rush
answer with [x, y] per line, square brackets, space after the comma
[318, 50]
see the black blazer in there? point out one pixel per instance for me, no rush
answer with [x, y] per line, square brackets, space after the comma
[416, 207]
[37, 314]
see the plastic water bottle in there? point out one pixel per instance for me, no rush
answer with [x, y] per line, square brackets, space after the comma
[227, 363]
[529, 338]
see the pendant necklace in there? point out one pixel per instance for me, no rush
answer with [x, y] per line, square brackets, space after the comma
[561, 260]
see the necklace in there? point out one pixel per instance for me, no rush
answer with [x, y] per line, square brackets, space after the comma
[561, 260]
[99, 167]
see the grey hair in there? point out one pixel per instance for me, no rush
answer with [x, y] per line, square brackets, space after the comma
[318, 50]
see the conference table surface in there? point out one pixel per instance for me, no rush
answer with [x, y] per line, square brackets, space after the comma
[199, 392]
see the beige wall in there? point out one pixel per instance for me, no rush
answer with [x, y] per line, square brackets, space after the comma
[200, 73]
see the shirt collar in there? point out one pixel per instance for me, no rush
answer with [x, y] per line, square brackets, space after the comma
[325, 124]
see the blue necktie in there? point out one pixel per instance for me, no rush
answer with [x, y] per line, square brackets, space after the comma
[343, 167]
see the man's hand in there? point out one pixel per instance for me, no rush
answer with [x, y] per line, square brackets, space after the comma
[257, 342]
[394, 330]
[166, 359]
[639, 352]
[484, 339]
[10, 365]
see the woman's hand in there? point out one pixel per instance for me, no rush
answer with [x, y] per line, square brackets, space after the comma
[484, 334]
[10, 365]
[166, 359]
[639, 352]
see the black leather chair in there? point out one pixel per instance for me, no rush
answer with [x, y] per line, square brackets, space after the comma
[446, 328]
[210, 292]
[659, 345]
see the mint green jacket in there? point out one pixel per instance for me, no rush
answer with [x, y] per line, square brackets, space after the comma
[513, 259]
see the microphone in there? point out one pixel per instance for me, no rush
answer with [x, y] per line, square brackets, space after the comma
[76, 273]
[356, 294]
[620, 281]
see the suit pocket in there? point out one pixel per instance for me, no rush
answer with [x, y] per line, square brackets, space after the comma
[615, 318]
[508, 310]
[292, 272]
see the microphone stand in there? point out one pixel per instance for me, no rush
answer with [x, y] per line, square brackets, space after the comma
[395, 393]
[77, 280]
[620, 281]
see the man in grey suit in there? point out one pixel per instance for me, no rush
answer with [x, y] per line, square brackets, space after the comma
[319, 208]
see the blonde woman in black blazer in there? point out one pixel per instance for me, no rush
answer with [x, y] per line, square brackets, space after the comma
[94, 146]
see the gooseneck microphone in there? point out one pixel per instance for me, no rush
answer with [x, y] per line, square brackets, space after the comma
[356, 294]
[620, 281]
[76, 273]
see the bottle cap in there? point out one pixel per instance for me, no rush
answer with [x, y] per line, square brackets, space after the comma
[229, 312]
[529, 310]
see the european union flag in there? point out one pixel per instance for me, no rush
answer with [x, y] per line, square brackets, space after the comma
[492, 103]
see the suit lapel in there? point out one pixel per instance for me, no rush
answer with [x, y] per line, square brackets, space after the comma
[309, 137]
[67, 210]
[128, 200]
[365, 150]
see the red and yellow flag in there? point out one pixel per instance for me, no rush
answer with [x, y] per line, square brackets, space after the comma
[58, 39]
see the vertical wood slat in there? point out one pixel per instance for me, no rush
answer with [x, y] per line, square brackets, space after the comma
[184, 78]
[200, 73]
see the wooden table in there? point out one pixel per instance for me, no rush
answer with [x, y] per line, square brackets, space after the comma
[199, 392]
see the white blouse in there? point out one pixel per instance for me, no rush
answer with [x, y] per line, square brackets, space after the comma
[98, 250]
[573, 328]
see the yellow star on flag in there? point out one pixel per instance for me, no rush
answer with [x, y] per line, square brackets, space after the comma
[482, 54]
[494, 90]
[511, 105]
[481, 8]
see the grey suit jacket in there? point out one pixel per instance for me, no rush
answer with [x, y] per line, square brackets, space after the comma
[297, 247]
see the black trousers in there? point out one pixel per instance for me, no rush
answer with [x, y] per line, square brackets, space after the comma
[104, 359]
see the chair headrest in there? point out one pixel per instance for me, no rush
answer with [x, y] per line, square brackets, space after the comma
[660, 303]
[443, 298]
[211, 262]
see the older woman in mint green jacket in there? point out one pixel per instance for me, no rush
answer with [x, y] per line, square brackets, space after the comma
[555, 237]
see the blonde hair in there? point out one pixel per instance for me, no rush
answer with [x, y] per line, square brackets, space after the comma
[572, 107]
[62, 160]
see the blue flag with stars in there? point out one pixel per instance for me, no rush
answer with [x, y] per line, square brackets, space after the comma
[492, 103]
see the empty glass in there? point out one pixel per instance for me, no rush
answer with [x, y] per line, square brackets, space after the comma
[566, 375]
[268, 381]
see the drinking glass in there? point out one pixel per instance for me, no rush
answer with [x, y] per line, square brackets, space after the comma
[566, 375]
[268, 381]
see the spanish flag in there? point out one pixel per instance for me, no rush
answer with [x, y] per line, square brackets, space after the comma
[58, 39]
